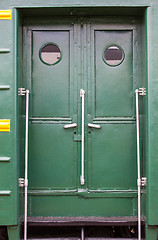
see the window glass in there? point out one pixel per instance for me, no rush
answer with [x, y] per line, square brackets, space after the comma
[113, 55]
[50, 54]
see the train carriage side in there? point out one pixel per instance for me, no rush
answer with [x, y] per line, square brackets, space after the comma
[78, 119]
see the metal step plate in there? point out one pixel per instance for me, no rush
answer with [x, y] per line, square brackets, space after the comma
[85, 239]
[82, 221]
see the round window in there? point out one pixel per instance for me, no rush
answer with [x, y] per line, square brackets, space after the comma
[50, 54]
[113, 55]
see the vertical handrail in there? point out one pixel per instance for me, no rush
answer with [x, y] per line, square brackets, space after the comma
[82, 234]
[138, 164]
[26, 163]
[82, 95]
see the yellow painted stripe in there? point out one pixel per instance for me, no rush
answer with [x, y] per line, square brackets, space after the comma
[6, 14]
[4, 125]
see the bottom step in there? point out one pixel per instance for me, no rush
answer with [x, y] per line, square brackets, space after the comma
[83, 221]
[85, 239]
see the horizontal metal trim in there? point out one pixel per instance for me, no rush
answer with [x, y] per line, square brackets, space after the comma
[86, 193]
[4, 50]
[114, 119]
[5, 193]
[84, 4]
[114, 191]
[4, 159]
[4, 87]
[50, 120]
[51, 192]
[114, 122]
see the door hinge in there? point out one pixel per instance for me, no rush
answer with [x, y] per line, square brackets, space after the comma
[22, 91]
[142, 91]
[23, 182]
[142, 182]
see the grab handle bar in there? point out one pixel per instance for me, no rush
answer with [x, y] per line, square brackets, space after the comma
[82, 95]
[140, 181]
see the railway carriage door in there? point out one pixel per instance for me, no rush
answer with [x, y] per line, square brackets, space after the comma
[70, 66]
[52, 151]
[112, 84]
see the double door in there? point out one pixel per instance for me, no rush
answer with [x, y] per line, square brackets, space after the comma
[82, 74]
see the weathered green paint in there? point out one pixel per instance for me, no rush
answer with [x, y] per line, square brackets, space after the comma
[8, 143]
[79, 206]
[13, 232]
[112, 105]
[110, 152]
[56, 78]
[55, 168]
[151, 233]
[8, 98]
[114, 85]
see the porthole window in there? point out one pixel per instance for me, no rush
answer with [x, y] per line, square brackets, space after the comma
[113, 55]
[50, 54]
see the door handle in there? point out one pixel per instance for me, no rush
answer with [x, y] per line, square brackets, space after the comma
[82, 95]
[94, 125]
[73, 125]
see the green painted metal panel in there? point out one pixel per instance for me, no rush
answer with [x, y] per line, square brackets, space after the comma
[6, 181]
[152, 117]
[54, 152]
[114, 85]
[8, 143]
[113, 159]
[152, 23]
[111, 104]
[8, 210]
[52, 157]
[78, 206]
[5, 99]
[49, 83]
[83, 3]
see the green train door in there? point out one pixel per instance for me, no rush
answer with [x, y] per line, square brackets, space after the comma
[82, 74]
[111, 106]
